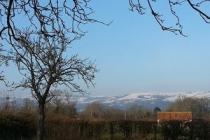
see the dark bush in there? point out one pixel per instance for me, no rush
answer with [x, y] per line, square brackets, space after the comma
[22, 126]
[14, 127]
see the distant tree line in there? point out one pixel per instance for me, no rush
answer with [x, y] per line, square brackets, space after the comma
[62, 105]
[101, 122]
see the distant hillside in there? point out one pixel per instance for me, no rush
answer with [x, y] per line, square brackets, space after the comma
[149, 100]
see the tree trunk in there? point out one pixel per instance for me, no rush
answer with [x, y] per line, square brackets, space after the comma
[41, 121]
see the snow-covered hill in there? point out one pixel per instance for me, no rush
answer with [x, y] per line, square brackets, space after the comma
[147, 99]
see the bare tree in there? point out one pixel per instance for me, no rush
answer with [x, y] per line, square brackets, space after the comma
[199, 7]
[39, 53]
[43, 64]
[3, 61]
[94, 111]
[62, 103]
[198, 106]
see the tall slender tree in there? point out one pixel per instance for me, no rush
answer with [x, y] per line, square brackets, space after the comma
[39, 53]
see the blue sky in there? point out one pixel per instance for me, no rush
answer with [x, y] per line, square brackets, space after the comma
[134, 55]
